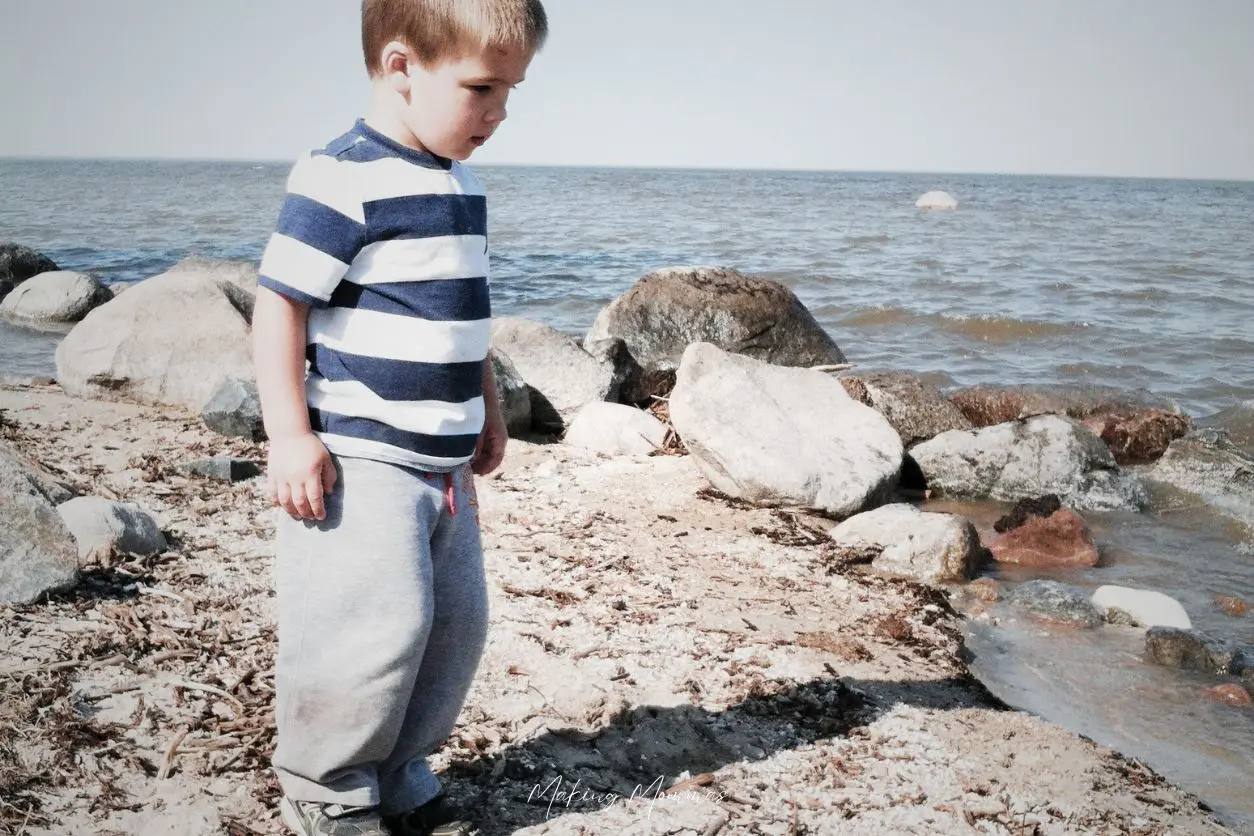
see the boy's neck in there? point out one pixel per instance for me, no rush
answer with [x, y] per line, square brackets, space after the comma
[382, 118]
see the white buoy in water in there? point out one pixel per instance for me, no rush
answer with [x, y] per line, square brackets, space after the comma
[937, 200]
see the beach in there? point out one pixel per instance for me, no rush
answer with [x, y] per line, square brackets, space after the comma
[647, 635]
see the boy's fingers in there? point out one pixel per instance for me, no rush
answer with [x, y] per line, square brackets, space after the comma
[313, 490]
[301, 502]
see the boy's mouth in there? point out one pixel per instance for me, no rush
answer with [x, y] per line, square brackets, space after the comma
[478, 140]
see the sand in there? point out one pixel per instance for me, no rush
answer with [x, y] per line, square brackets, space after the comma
[661, 661]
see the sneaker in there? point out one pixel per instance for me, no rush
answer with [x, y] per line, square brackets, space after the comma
[308, 818]
[431, 819]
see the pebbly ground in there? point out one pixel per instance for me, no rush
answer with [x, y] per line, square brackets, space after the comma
[662, 661]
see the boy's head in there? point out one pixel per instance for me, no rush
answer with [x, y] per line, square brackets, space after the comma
[445, 67]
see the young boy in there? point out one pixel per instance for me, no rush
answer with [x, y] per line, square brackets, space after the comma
[377, 276]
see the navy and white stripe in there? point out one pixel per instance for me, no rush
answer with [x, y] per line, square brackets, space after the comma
[388, 246]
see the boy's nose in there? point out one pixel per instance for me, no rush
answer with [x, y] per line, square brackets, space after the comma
[497, 115]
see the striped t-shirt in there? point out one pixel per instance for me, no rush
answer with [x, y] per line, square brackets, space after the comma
[388, 246]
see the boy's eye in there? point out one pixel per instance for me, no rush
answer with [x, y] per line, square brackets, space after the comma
[481, 88]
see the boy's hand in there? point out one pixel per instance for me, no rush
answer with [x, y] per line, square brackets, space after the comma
[491, 447]
[298, 474]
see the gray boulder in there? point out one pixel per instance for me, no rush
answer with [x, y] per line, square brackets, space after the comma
[1137, 426]
[1193, 651]
[1053, 601]
[37, 551]
[668, 310]
[19, 263]
[1047, 454]
[917, 410]
[1205, 465]
[615, 429]
[782, 436]
[513, 393]
[933, 548]
[103, 528]
[173, 339]
[49, 487]
[235, 411]
[562, 376]
[55, 297]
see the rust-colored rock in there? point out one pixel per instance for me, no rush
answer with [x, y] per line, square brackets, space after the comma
[1138, 437]
[1229, 695]
[1062, 539]
[1234, 607]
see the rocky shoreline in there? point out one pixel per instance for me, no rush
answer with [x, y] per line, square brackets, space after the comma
[718, 606]
[645, 627]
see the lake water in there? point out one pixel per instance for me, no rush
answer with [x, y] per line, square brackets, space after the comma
[1138, 284]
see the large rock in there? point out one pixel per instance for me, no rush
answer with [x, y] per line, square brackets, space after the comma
[103, 528]
[917, 410]
[1205, 465]
[1136, 426]
[49, 487]
[614, 429]
[1040, 533]
[1140, 608]
[55, 297]
[241, 273]
[1057, 602]
[19, 263]
[1047, 454]
[173, 339]
[781, 436]
[1192, 651]
[37, 551]
[513, 393]
[235, 411]
[668, 310]
[933, 548]
[562, 376]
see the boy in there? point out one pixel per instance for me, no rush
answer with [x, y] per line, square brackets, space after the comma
[377, 276]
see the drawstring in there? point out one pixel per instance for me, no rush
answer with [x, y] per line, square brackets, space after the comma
[450, 496]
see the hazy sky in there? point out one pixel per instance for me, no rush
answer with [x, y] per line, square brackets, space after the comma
[1119, 87]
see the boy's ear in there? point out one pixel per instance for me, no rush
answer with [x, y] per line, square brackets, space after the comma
[396, 62]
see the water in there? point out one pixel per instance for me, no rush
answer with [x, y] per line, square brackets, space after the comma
[1128, 283]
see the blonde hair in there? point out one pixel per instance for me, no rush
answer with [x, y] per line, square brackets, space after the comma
[440, 29]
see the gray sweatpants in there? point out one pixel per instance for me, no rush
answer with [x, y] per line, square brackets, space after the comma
[382, 618]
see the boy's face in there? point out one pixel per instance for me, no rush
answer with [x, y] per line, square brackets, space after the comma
[456, 105]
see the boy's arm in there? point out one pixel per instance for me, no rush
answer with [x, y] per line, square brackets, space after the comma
[491, 448]
[320, 230]
[300, 470]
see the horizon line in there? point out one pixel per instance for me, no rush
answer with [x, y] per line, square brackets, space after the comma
[672, 167]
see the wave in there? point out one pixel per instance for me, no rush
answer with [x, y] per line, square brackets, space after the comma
[984, 328]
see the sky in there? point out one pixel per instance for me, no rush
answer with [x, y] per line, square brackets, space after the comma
[1148, 88]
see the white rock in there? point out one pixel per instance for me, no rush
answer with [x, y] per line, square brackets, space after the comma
[782, 436]
[173, 339]
[101, 528]
[933, 548]
[1144, 607]
[615, 429]
[58, 296]
[936, 200]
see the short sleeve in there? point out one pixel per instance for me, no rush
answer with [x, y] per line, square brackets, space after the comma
[321, 229]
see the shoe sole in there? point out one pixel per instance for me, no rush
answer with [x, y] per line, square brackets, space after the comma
[291, 818]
